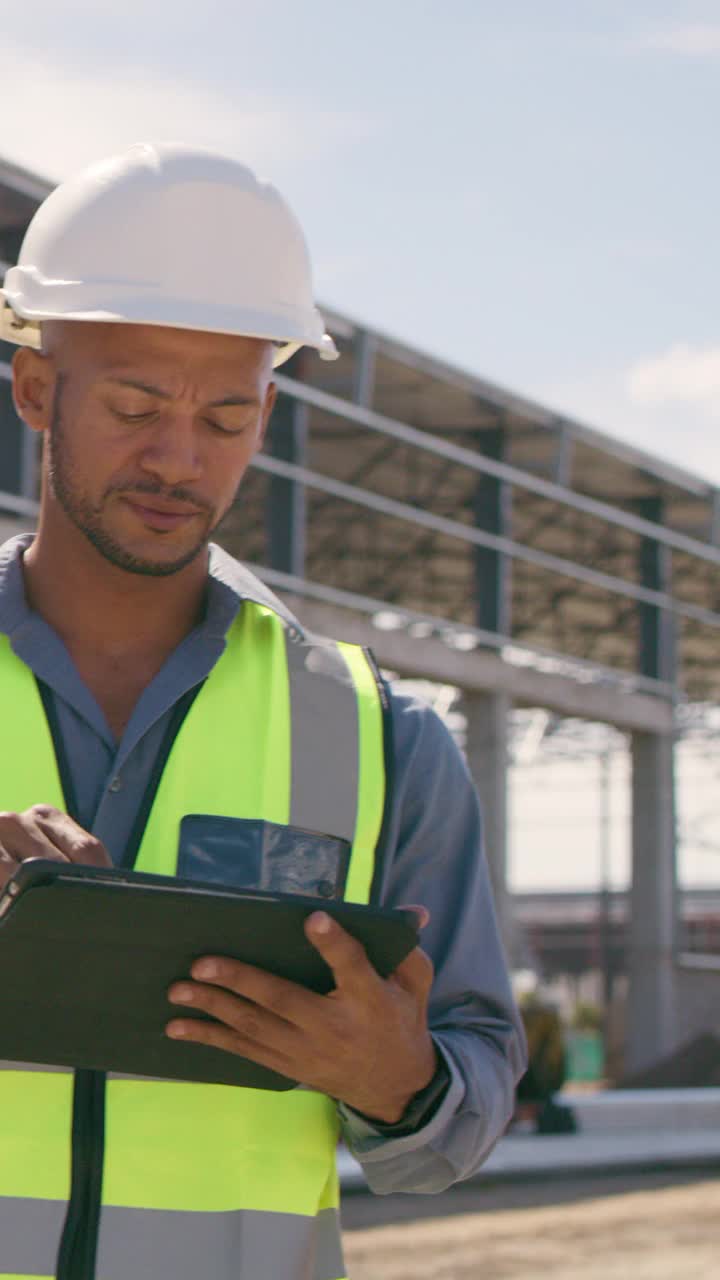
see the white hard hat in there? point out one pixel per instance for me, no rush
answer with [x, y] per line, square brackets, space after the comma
[166, 235]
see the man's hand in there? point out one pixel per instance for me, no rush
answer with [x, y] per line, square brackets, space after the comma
[367, 1043]
[45, 832]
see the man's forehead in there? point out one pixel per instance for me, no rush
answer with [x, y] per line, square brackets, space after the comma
[114, 346]
[169, 387]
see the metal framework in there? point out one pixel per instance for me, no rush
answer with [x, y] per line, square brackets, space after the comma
[392, 479]
[484, 542]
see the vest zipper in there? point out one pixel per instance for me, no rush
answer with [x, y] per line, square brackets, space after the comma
[79, 1240]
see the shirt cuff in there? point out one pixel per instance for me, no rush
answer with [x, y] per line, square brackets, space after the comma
[364, 1135]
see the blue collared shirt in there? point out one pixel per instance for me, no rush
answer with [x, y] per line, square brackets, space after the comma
[437, 859]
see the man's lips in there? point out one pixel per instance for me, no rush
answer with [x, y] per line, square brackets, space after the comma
[161, 515]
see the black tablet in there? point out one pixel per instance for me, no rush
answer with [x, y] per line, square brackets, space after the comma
[87, 956]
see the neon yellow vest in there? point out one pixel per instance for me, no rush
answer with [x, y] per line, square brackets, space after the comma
[203, 1182]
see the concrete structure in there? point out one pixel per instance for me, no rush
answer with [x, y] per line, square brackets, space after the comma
[564, 931]
[478, 539]
[642, 1130]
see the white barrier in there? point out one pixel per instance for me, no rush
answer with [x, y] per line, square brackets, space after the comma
[670, 1110]
[618, 1130]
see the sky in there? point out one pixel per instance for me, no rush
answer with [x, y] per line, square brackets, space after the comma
[557, 838]
[528, 188]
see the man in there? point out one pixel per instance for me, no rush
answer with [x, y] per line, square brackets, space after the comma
[153, 678]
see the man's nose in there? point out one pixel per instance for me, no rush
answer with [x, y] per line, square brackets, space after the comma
[172, 453]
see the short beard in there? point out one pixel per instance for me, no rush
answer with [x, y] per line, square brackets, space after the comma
[88, 519]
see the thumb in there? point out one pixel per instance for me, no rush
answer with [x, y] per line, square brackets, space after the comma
[414, 974]
[422, 915]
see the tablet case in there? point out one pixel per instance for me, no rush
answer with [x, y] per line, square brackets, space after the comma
[87, 957]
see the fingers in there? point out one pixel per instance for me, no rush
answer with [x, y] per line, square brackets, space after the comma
[422, 915]
[249, 1021]
[70, 839]
[345, 956]
[414, 974]
[218, 1036]
[366, 1042]
[45, 832]
[285, 1000]
[21, 838]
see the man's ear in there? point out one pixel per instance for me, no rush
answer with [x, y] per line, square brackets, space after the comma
[268, 403]
[33, 387]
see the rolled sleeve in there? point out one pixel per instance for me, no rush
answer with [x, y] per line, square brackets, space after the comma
[437, 860]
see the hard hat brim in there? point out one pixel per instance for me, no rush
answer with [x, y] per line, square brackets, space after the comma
[13, 328]
[25, 331]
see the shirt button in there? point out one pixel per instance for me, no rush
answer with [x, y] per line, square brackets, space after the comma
[116, 784]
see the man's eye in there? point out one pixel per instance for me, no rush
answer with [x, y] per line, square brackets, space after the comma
[225, 431]
[136, 416]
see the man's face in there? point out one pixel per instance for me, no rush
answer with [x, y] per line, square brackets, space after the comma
[149, 433]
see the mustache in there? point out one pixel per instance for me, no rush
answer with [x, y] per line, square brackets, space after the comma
[156, 490]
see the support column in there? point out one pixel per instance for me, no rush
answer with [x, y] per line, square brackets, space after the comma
[363, 383]
[562, 469]
[492, 514]
[651, 1014]
[488, 714]
[12, 442]
[715, 519]
[487, 750]
[286, 513]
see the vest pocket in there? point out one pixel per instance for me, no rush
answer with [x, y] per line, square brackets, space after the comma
[247, 853]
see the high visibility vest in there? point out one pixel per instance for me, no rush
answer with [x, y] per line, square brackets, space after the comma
[197, 1182]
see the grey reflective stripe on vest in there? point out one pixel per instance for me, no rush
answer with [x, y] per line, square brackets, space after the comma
[323, 705]
[167, 1245]
[29, 1235]
[34, 1066]
[241, 1245]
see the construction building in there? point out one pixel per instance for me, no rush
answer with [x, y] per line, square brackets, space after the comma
[479, 540]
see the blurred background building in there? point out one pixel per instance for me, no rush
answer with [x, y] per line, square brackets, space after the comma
[555, 593]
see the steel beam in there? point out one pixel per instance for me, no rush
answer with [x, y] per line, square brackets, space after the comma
[458, 635]
[491, 510]
[657, 644]
[475, 462]
[482, 671]
[477, 537]
[16, 504]
[286, 510]
[28, 184]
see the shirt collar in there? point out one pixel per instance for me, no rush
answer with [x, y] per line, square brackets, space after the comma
[229, 584]
[14, 608]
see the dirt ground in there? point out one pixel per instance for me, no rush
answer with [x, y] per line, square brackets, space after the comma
[659, 1233]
